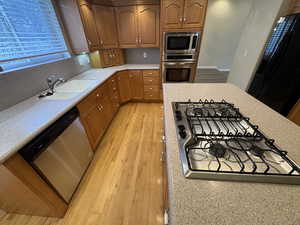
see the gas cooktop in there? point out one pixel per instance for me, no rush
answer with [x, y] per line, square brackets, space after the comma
[217, 142]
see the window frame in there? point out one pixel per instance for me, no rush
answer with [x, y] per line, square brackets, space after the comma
[67, 43]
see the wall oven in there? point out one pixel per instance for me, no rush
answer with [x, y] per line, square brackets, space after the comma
[174, 72]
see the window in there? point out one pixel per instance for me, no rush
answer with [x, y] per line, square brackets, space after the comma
[281, 28]
[30, 34]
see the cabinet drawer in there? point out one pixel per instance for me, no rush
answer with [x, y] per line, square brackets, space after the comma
[151, 73]
[115, 97]
[151, 80]
[151, 95]
[151, 88]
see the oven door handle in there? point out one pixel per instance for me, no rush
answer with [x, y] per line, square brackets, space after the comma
[178, 63]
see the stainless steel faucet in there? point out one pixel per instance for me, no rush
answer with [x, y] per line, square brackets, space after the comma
[52, 81]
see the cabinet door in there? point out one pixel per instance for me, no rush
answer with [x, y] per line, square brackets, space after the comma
[172, 14]
[93, 124]
[194, 13]
[124, 86]
[127, 26]
[107, 58]
[106, 26]
[89, 26]
[148, 26]
[136, 84]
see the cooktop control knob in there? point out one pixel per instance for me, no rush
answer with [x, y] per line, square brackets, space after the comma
[178, 115]
[182, 134]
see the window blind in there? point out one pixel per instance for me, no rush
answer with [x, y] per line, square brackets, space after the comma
[29, 33]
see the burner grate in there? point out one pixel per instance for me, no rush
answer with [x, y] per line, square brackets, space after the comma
[220, 143]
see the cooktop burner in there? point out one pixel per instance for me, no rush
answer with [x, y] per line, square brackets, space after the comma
[217, 150]
[217, 142]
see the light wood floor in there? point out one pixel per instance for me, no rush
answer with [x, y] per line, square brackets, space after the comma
[124, 184]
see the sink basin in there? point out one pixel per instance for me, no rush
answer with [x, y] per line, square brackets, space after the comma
[75, 86]
[61, 96]
[70, 89]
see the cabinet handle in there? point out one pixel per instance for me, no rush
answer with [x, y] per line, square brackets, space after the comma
[101, 42]
[140, 40]
[184, 19]
[89, 42]
[99, 109]
[150, 80]
[137, 40]
[180, 19]
[150, 88]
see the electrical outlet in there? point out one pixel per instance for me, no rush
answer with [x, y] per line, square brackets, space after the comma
[145, 55]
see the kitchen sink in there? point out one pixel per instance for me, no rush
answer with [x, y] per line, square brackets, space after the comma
[75, 86]
[70, 89]
[61, 96]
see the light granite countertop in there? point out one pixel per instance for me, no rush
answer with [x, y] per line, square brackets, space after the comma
[203, 202]
[21, 123]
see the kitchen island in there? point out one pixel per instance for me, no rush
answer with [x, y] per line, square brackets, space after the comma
[197, 202]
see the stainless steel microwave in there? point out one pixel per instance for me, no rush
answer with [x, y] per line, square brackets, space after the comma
[181, 42]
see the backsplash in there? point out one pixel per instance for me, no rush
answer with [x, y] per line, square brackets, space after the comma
[136, 56]
[22, 84]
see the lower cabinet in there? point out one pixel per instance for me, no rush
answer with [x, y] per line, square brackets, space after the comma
[152, 84]
[136, 84]
[124, 86]
[99, 108]
[94, 125]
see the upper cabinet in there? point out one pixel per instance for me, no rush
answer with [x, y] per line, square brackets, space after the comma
[148, 26]
[127, 26]
[172, 13]
[106, 26]
[82, 37]
[138, 26]
[194, 13]
[181, 14]
[89, 23]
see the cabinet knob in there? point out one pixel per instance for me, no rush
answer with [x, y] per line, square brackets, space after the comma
[98, 95]
[180, 19]
[150, 88]
[150, 80]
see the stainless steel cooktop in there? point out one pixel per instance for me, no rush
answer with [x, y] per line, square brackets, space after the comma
[217, 142]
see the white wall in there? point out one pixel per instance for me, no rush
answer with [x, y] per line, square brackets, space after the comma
[224, 24]
[253, 39]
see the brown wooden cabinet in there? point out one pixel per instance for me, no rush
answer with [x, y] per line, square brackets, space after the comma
[194, 13]
[294, 114]
[152, 85]
[107, 58]
[136, 84]
[172, 14]
[127, 26]
[124, 86]
[181, 14]
[106, 26]
[93, 116]
[148, 26]
[138, 26]
[89, 25]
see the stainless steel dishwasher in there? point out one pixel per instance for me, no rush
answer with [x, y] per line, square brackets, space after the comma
[61, 154]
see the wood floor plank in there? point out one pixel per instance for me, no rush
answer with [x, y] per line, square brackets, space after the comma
[123, 185]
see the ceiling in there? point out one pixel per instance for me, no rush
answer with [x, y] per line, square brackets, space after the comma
[125, 2]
